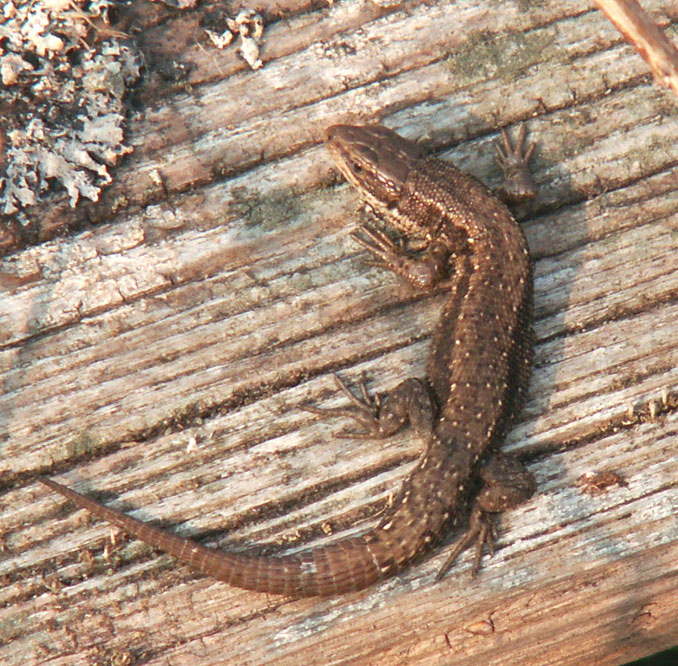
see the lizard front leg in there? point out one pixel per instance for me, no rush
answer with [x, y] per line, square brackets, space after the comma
[424, 272]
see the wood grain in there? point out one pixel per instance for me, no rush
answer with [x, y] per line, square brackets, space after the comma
[159, 358]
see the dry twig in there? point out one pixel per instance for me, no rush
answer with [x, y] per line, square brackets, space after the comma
[648, 38]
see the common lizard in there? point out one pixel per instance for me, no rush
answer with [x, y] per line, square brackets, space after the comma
[477, 373]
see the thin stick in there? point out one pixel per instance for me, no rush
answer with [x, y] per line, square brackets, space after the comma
[648, 38]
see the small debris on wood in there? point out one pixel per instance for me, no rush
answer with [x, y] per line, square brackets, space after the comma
[248, 24]
[652, 408]
[220, 40]
[596, 483]
[249, 49]
[386, 3]
[192, 444]
[481, 628]
[179, 4]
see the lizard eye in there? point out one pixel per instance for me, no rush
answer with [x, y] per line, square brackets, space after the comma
[355, 167]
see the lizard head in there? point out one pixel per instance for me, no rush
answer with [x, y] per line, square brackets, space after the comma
[374, 159]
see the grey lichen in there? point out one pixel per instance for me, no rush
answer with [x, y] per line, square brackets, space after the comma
[250, 26]
[63, 76]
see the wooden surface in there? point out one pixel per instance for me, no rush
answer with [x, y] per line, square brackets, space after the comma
[158, 360]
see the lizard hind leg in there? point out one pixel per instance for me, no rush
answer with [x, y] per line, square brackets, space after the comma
[506, 484]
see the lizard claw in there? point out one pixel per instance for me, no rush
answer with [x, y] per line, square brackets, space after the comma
[378, 244]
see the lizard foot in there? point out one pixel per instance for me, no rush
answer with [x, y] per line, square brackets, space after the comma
[506, 484]
[518, 184]
[364, 410]
[482, 530]
[421, 272]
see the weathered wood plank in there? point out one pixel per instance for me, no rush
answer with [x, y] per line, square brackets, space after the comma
[161, 360]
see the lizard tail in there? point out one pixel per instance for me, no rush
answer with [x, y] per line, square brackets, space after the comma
[326, 570]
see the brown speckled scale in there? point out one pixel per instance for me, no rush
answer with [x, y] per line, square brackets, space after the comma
[476, 377]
